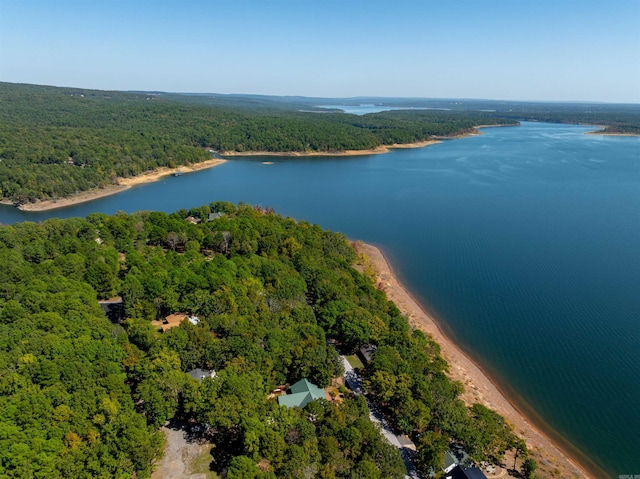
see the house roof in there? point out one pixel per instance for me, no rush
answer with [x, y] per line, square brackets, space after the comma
[113, 309]
[367, 350]
[460, 472]
[450, 461]
[305, 385]
[302, 393]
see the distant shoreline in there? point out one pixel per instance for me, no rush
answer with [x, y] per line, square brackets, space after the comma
[122, 185]
[154, 175]
[372, 151]
[301, 154]
[606, 133]
[479, 386]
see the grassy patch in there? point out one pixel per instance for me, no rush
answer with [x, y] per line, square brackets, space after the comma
[355, 362]
[200, 464]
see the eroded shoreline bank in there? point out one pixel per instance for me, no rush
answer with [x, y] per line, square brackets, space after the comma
[479, 386]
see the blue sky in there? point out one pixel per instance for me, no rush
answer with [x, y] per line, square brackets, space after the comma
[558, 50]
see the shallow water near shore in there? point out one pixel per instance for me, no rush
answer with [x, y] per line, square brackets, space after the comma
[524, 241]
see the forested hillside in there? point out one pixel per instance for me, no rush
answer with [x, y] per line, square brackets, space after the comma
[55, 142]
[614, 117]
[82, 397]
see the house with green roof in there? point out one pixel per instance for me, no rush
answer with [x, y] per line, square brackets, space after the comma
[302, 393]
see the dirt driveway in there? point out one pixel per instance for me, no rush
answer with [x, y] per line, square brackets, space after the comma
[184, 458]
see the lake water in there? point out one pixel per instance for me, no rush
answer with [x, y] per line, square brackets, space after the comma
[524, 241]
[365, 109]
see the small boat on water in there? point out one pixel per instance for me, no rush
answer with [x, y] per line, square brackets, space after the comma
[176, 173]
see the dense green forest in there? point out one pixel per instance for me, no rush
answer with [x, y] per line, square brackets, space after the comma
[614, 117]
[55, 142]
[82, 397]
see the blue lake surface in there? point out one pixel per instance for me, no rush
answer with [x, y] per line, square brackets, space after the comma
[365, 109]
[523, 241]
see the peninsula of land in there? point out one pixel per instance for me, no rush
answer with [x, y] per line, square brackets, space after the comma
[121, 185]
[370, 151]
[109, 135]
[124, 184]
[609, 133]
[479, 388]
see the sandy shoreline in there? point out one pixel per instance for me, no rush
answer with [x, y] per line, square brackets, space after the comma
[123, 184]
[606, 133]
[602, 131]
[301, 154]
[373, 151]
[478, 386]
[154, 175]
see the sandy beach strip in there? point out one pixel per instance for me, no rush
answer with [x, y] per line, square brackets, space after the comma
[373, 151]
[496, 126]
[606, 133]
[122, 185]
[301, 154]
[479, 388]
[154, 175]
[476, 130]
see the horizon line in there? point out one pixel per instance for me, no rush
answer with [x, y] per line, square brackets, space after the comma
[594, 102]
